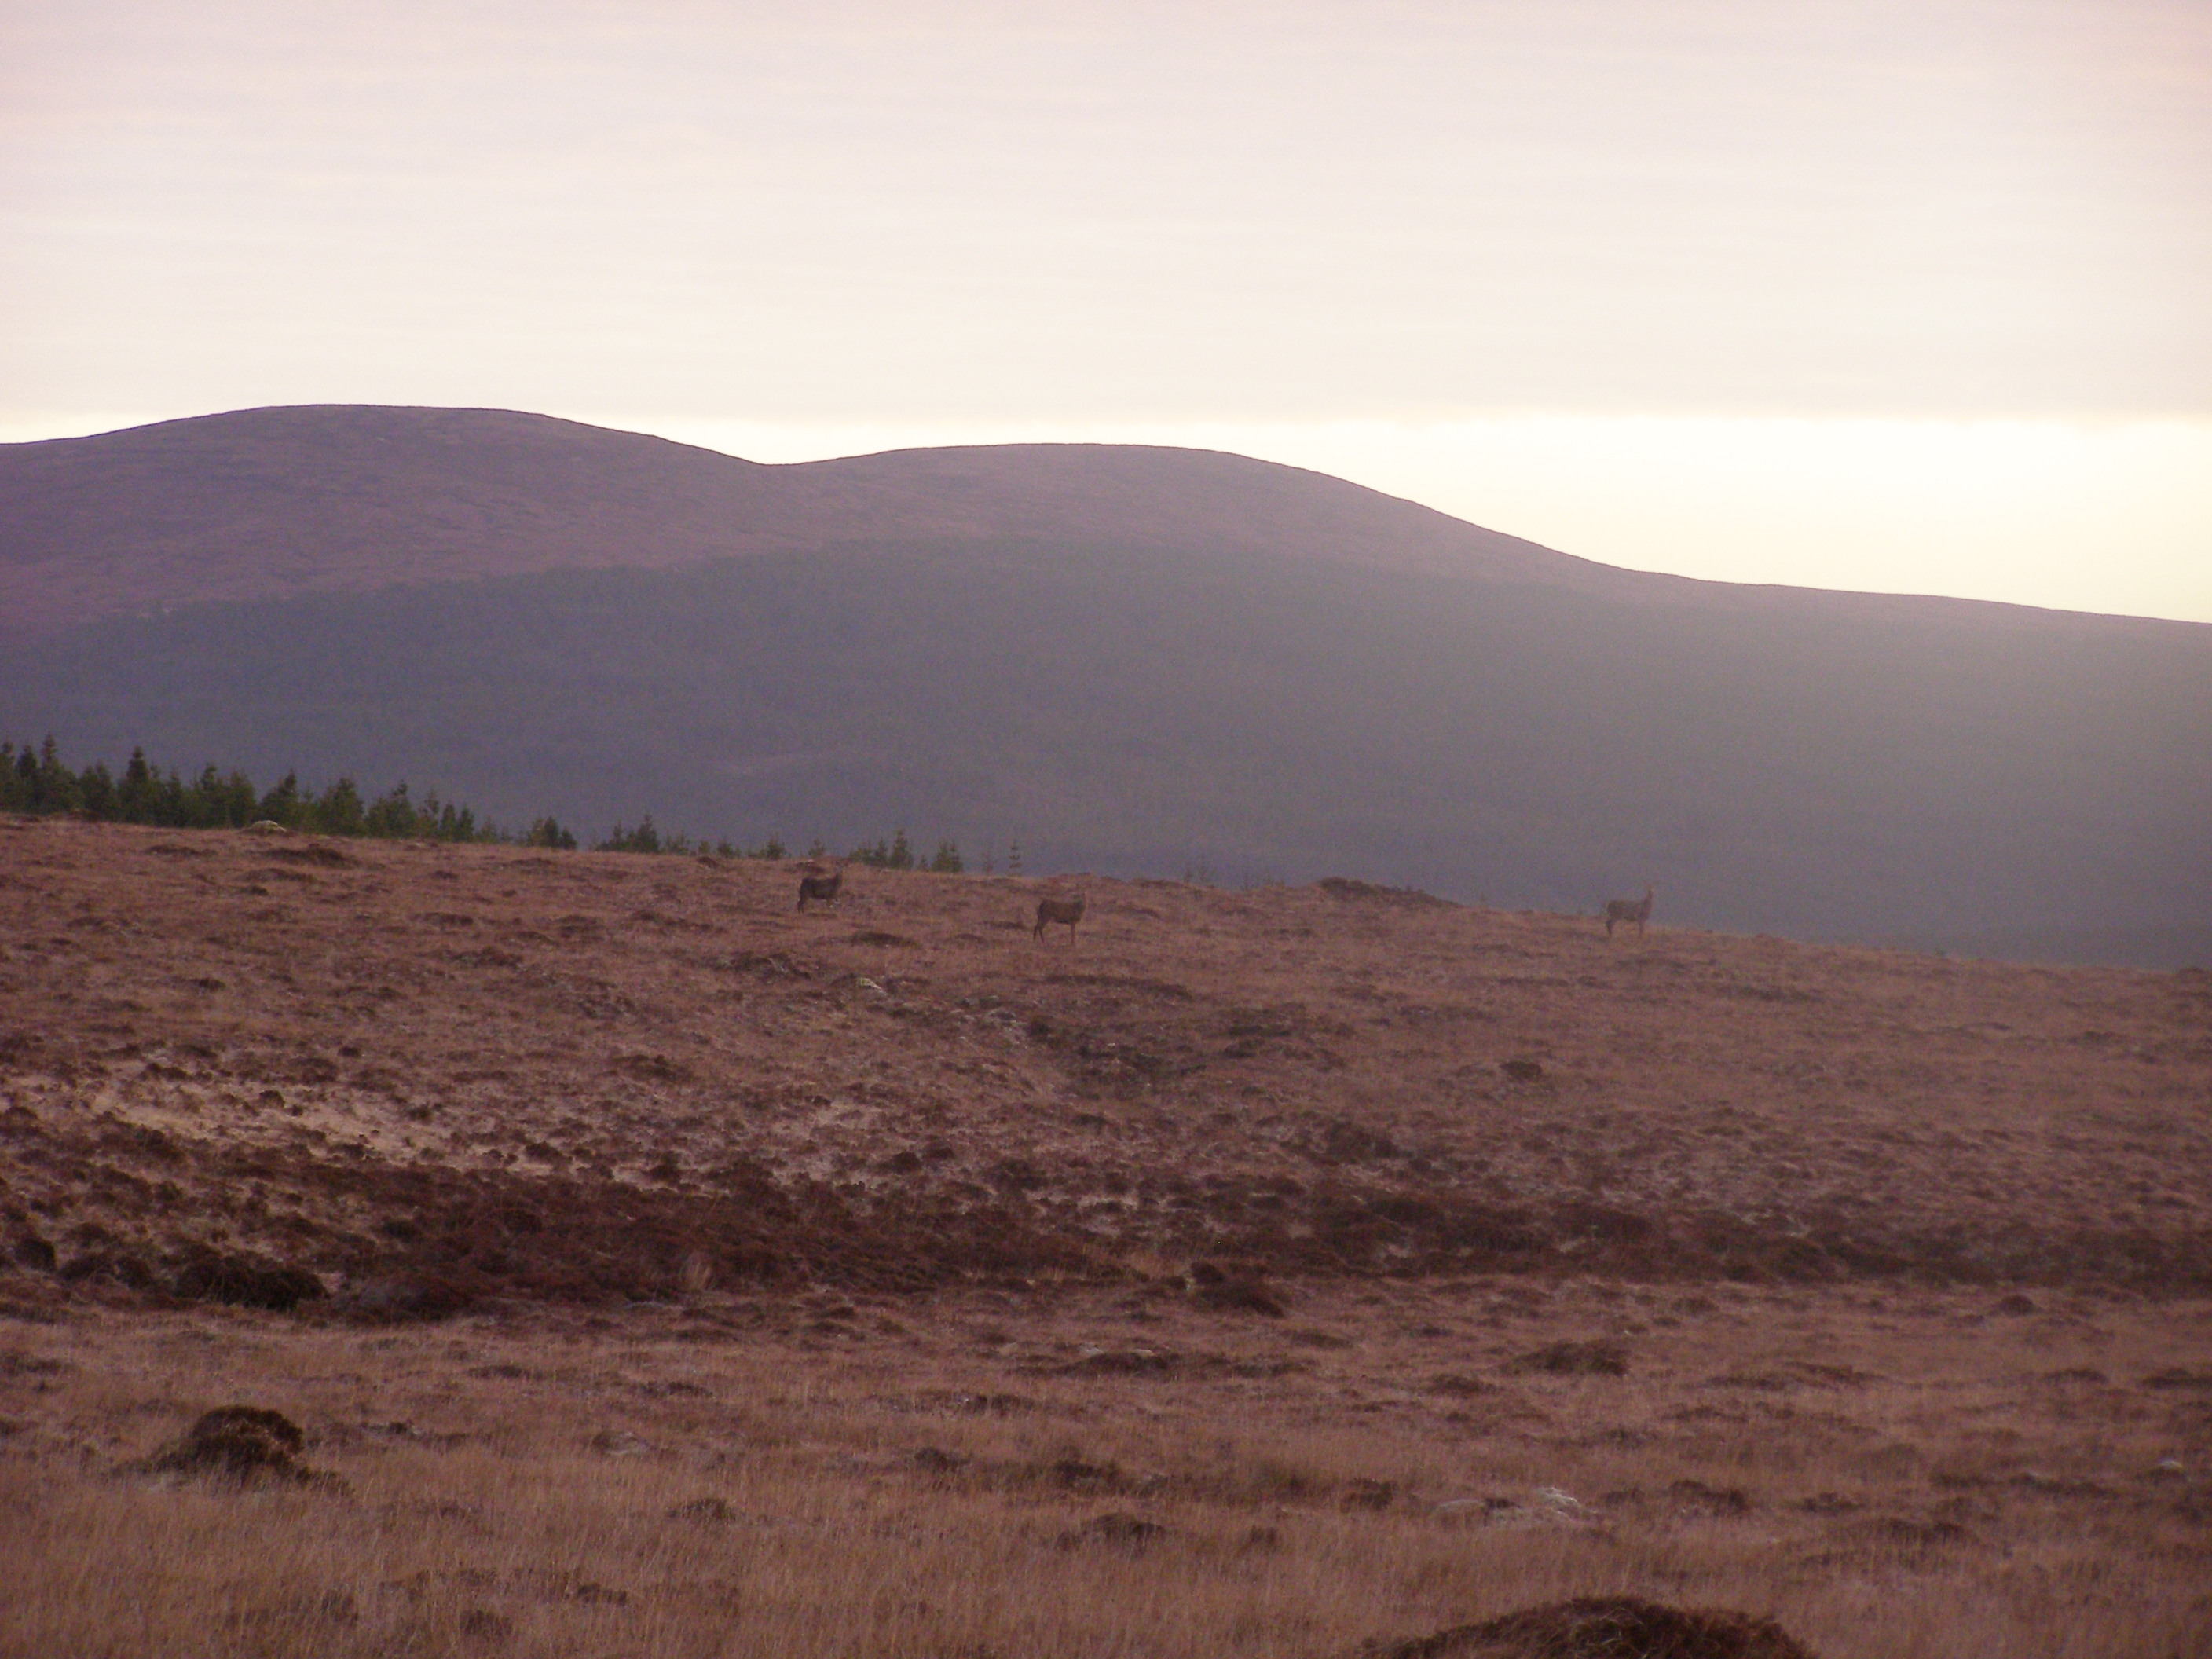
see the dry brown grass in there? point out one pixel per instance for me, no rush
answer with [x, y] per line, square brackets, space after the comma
[670, 1272]
[1903, 1475]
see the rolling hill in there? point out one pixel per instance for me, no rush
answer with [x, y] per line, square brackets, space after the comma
[1132, 661]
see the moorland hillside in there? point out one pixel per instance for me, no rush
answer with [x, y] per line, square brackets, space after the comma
[454, 1248]
[415, 1076]
[1139, 661]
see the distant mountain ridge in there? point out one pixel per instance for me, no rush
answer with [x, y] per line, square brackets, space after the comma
[1136, 660]
[272, 503]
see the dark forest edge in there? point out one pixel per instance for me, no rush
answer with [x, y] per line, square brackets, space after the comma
[37, 782]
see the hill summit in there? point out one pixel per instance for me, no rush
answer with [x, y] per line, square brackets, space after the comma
[270, 503]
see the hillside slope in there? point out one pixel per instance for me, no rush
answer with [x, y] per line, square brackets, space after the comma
[395, 1066]
[1134, 661]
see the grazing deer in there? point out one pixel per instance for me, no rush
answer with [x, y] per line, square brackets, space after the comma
[1069, 910]
[820, 887]
[1636, 910]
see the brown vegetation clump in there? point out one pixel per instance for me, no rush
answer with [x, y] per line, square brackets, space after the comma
[1349, 889]
[1231, 1290]
[244, 1281]
[1609, 1627]
[1576, 1359]
[1117, 1529]
[239, 1444]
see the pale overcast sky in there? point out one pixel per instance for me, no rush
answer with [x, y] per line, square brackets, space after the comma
[1853, 292]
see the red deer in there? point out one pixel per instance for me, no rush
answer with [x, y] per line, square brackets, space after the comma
[820, 887]
[1069, 910]
[1636, 910]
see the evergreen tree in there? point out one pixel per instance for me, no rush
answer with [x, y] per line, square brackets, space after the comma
[643, 838]
[135, 796]
[947, 859]
[339, 811]
[97, 790]
[56, 786]
[548, 832]
[169, 801]
[393, 816]
[204, 800]
[282, 805]
[237, 800]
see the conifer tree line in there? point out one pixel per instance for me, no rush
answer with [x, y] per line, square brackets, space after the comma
[37, 783]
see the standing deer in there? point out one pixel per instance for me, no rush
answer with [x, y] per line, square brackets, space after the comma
[1636, 910]
[820, 887]
[1069, 910]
